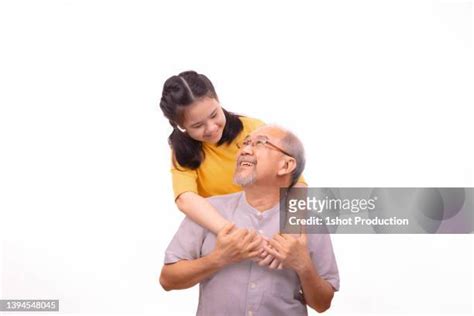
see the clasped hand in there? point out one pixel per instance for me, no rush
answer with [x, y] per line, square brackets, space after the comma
[236, 244]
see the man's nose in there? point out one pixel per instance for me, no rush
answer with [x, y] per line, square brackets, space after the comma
[247, 149]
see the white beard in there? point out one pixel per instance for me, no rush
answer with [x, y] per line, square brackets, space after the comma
[245, 180]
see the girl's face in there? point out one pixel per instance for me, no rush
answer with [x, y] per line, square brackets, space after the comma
[204, 120]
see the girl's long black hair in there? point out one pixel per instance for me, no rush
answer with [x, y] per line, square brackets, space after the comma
[181, 91]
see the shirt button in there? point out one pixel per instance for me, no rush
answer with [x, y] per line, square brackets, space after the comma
[253, 285]
[260, 217]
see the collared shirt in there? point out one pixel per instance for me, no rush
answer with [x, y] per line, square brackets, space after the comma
[245, 288]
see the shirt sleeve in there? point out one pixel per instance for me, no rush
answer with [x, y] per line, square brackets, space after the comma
[256, 123]
[250, 124]
[186, 243]
[324, 261]
[184, 180]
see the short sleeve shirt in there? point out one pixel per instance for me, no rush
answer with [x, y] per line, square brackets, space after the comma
[246, 288]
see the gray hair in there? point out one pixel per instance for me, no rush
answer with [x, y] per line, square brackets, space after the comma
[293, 145]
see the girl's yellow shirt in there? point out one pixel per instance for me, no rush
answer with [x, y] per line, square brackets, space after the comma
[215, 174]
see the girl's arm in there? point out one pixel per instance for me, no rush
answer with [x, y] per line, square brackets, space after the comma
[200, 211]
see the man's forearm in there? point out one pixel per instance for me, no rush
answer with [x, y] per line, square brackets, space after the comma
[317, 292]
[186, 273]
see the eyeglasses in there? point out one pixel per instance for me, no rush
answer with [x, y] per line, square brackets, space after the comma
[260, 142]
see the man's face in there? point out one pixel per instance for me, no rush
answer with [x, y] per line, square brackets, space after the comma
[258, 161]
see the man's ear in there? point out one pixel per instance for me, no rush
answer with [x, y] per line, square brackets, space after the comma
[287, 166]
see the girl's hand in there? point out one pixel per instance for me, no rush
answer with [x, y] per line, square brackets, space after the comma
[235, 244]
[267, 259]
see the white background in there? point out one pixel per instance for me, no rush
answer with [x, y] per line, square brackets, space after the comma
[379, 91]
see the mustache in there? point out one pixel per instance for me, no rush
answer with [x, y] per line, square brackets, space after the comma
[245, 159]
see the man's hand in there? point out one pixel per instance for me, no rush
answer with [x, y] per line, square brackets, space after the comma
[266, 259]
[234, 245]
[291, 251]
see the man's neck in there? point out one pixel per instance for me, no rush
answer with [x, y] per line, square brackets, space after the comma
[262, 198]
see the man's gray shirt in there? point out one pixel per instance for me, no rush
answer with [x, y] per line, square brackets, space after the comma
[245, 288]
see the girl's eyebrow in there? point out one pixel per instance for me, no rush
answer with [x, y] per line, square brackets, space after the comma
[200, 122]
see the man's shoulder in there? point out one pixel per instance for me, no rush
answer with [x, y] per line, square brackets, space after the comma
[226, 201]
[224, 205]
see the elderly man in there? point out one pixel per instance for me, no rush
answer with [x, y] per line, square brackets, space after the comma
[231, 283]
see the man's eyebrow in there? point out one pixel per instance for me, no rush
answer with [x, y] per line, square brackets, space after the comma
[256, 136]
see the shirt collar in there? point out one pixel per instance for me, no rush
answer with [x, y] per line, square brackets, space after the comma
[244, 205]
